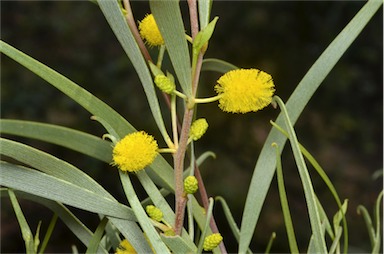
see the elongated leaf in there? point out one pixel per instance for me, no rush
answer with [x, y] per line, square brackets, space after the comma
[69, 219]
[43, 185]
[25, 230]
[77, 93]
[141, 215]
[213, 64]
[205, 8]
[76, 140]
[265, 166]
[51, 166]
[169, 20]
[116, 20]
[178, 244]
[96, 238]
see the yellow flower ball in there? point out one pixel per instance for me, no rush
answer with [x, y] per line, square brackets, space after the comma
[150, 32]
[244, 90]
[165, 84]
[212, 241]
[135, 151]
[198, 128]
[125, 248]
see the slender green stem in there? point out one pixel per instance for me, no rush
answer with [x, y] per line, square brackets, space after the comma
[270, 242]
[181, 95]
[48, 233]
[207, 100]
[161, 56]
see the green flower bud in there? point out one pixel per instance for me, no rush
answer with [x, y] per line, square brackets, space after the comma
[165, 84]
[154, 212]
[198, 128]
[190, 184]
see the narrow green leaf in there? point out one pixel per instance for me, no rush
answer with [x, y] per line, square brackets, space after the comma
[131, 231]
[205, 231]
[213, 64]
[72, 222]
[80, 95]
[141, 215]
[95, 241]
[270, 242]
[48, 234]
[205, 7]
[76, 140]
[116, 20]
[265, 167]
[284, 204]
[377, 239]
[309, 193]
[169, 20]
[178, 244]
[43, 185]
[51, 166]
[25, 230]
[204, 35]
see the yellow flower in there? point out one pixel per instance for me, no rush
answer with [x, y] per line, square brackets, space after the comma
[244, 90]
[212, 241]
[154, 212]
[135, 151]
[190, 184]
[198, 128]
[125, 248]
[150, 32]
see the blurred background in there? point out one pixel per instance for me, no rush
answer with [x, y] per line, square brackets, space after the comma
[342, 126]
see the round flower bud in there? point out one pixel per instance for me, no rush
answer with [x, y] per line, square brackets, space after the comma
[134, 152]
[165, 84]
[212, 241]
[244, 90]
[190, 184]
[150, 32]
[154, 212]
[198, 128]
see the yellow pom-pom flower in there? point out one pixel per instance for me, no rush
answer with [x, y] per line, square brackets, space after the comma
[198, 128]
[190, 184]
[135, 151]
[165, 84]
[154, 212]
[125, 248]
[244, 90]
[150, 32]
[212, 241]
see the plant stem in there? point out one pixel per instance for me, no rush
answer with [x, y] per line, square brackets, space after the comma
[132, 26]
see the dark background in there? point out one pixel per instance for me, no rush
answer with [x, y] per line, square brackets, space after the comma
[341, 126]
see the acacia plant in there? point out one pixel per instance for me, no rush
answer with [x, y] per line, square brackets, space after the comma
[153, 224]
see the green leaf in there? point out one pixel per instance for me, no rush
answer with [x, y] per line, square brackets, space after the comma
[205, 7]
[204, 35]
[310, 196]
[80, 95]
[169, 20]
[117, 22]
[43, 185]
[95, 241]
[178, 244]
[75, 140]
[377, 240]
[284, 204]
[141, 215]
[213, 64]
[265, 166]
[72, 222]
[51, 166]
[48, 234]
[25, 230]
